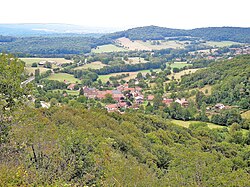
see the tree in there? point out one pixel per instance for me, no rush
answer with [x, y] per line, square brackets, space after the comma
[108, 99]
[11, 91]
[34, 64]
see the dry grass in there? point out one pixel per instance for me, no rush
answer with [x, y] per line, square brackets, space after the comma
[135, 60]
[107, 49]
[187, 123]
[163, 44]
[246, 115]
[132, 45]
[30, 61]
[92, 65]
[32, 70]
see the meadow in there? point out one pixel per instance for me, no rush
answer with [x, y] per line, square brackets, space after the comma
[63, 77]
[30, 61]
[221, 44]
[132, 75]
[107, 49]
[92, 65]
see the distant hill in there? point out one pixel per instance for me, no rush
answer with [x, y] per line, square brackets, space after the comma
[52, 29]
[235, 34]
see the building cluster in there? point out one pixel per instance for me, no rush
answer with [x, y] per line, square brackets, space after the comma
[126, 97]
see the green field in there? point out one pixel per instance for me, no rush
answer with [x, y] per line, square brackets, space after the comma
[187, 123]
[92, 65]
[63, 77]
[70, 92]
[107, 48]
[32, 70]
[181, 73]
[179, 64]
[220, 44]
[132, 75]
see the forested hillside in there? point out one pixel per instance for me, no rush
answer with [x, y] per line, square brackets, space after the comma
[75, 145]
[230, 80]
[236, 34]
[50, 45]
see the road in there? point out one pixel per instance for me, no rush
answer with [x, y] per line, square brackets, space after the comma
[27, 81]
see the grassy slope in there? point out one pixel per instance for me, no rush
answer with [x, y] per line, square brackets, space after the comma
[107, 48]
[93, 65]
[63, 77]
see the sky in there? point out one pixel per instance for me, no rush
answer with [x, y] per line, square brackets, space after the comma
[183, 14]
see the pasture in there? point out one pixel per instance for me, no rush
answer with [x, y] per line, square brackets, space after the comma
[107, 49]
[132, 75]
[178, 64]
[63, 77]
[246, 115]
[178, 75]
[135, 60]
[92, 65]
[220, 44]
[132, 45]
[162, 44]
[187, 123]
[30, 70]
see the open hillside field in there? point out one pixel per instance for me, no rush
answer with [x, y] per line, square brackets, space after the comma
[30, 70]
[92, 65]
[178, 64]
[162, 44]
[181, 73]
[132, 75]
[63, 77]
[29, 61]
[107, 49]
[135, 60]
[70, 92]
[132, 45]
[220, 44]
[187, 123]
[208, 88]
[246, 115]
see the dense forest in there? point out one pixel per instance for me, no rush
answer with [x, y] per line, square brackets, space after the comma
[75, 145]
[229, 78]
[50, 46]
[211, 33]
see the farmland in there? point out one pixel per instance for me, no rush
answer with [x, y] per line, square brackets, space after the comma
[107, 48]
[92, 65]
[178, 75]
[162, 44]
[132, 75]
[179, 64]
[221, 44]
[132, 45]
[63, 77]
[135, 60]
[30, 61]
[187, 123]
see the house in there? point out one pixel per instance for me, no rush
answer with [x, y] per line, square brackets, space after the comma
[183, 102]
[111, 107]
[219, 106]
[167, 101]
[41, 63]
[71, 87]
[138, 99]
[151, 97]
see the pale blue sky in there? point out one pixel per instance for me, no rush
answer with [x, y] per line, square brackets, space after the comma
[128, 13]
